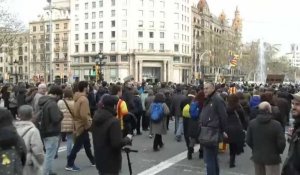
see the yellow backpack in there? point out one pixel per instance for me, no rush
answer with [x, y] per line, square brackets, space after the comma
[186, 111]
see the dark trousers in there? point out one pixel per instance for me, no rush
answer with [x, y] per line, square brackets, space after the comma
[157, 141]
[14, 112]
[138, 123]
[145, 121]
[82, 139]
[108, 173]
[211, 160]
[168, 121]
[185, 131]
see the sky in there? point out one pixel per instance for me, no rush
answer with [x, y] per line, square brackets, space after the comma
[274, 21]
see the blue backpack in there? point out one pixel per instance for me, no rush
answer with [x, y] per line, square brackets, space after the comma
[194, 110]
[157, 112]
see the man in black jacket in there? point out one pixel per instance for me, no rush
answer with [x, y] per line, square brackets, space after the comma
[50, 125]
[107, 138]
[266, 139]
[213, 115]
[292, 162]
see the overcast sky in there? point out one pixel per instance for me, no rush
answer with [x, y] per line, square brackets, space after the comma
[276, 21]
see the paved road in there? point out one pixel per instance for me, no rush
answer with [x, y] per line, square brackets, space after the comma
[170, 160]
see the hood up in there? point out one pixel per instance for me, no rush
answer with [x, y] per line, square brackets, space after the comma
[103, 114]
[263, 117]
[77, 95]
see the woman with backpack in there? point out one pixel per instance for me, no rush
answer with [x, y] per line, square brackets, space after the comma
[236, 124]
[32, 139]
[12, 146]
[158, 112]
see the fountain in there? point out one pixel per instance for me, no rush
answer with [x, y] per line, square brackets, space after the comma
[261, 67]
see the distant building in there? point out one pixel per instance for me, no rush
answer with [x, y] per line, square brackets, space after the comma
[294, 55]
[214, 39]
[148, 39]
[14, 59]
[43, 51]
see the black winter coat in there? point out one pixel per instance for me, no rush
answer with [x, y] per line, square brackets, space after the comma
[291, 165]
[108, 141]
[236, 124]
[266, 139]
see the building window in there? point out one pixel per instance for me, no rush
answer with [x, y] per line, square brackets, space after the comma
[124, 2]
[113, 59]
[176, 47]
[141, 13]
[94, 5]
[101, 3]
[124, 12]
[124, 58]
[76, 27]
[162, 14]
[112, 46]
[162, 34]
[76, 37]
[65, 25]
[177, 6]
[141, 23]
[100, 35]
[124, 46]
[176, 36]
[113, 2]
[161, 47]
[86, 26]
[86, 47]
[86, 6]
[124, 23]
[141, 2]
[151, 24]
[151, 3]
[65, 66]
[100, 46]
[101, 24]
[94, 15]
[140, 46]
[34, 28]
[93, 35]
[57, 26]
[113, 23]
[93, 47]
[86, 59]
[162, 25]
[86, 36]
[76, 48]
[76, 6]
[86, 16]
[41, 27]
[176, 59]
[113, 73]
[113, 13]
[100, 14]
[57, 66]
[162, 4]
[113, 34]
[151, 14]
[140, 34]
[93, 25]
[151, 46]
[151, 34]
[124, 34]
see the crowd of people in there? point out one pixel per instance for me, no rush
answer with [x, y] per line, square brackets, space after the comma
[35, 119]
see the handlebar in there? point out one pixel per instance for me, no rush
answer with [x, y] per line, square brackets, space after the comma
[128, 150]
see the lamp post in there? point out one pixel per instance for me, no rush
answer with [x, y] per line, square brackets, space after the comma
[200, 59]
[16, 73]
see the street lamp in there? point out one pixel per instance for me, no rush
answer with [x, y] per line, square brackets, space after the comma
[16, 73]
[201, 58]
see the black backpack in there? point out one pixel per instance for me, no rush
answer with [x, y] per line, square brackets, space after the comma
[10, 162]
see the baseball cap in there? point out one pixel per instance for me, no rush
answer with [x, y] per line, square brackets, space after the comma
[296, 96]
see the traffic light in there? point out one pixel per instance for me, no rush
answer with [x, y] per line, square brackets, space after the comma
[94, 68]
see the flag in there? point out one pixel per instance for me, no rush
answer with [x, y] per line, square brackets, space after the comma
[234, 61]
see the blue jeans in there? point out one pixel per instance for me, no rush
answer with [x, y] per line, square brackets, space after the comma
[211, 160]
[51, 145]
[69, 137]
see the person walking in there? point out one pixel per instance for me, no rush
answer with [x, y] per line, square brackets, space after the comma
[83, 122]
[212, 120]
[107, 138]
[138, 112]
[236, 124]
[66, 106]
[158, 127]
[178, 97]
[292, 162]
[266, 139]
[50, 119]
[31, 136]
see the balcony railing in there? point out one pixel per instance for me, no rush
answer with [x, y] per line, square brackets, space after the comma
[65, 49]
[42, 40]
[56, 39]
[65, 38]
[56, 49]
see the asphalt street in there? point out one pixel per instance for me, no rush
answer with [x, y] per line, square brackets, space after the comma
[170, 160]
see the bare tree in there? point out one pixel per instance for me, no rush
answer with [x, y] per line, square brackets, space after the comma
[10, 26]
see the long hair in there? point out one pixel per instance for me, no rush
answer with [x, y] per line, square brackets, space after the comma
[233, 102]
[200, 98]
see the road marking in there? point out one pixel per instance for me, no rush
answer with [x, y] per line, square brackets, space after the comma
[167, 163]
